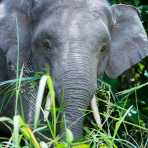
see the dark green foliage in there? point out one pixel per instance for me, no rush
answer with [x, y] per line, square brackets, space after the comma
[131, 78]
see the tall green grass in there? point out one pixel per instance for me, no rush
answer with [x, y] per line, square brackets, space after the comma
[115, 126]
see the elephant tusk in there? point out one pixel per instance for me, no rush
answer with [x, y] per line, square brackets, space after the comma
[95, 111]
[41, 89]
[47, 107]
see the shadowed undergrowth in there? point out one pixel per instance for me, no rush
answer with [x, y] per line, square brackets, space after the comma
[122, 124]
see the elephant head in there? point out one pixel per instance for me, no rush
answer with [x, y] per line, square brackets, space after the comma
[80, 40]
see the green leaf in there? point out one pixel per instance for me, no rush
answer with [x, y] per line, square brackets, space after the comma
[61, 145]
[69, 136]
[82, 146]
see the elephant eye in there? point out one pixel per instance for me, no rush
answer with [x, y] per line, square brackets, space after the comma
[46, 43]
[103, 49]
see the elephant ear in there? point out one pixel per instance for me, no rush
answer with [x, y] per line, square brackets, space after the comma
[129, 42]
[21, 10]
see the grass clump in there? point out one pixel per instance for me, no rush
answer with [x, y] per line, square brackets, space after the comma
[117, 130]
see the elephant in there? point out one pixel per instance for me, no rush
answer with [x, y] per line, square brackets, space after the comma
[80, 40]
[15, 34]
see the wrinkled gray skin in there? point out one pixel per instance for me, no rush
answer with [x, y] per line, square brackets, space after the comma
[3, 73]
[79, 39]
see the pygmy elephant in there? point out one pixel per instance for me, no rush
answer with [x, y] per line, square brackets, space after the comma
[79, 39]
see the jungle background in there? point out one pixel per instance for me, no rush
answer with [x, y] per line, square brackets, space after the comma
[139, 73]
[137, 97]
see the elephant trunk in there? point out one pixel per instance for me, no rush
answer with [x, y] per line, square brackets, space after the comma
[78, 81]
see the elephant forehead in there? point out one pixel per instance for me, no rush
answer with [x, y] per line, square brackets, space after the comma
[86, 25]
[72, 23]
[58, 20]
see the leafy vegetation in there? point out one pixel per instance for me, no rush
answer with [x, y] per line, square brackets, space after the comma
[123, 106]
